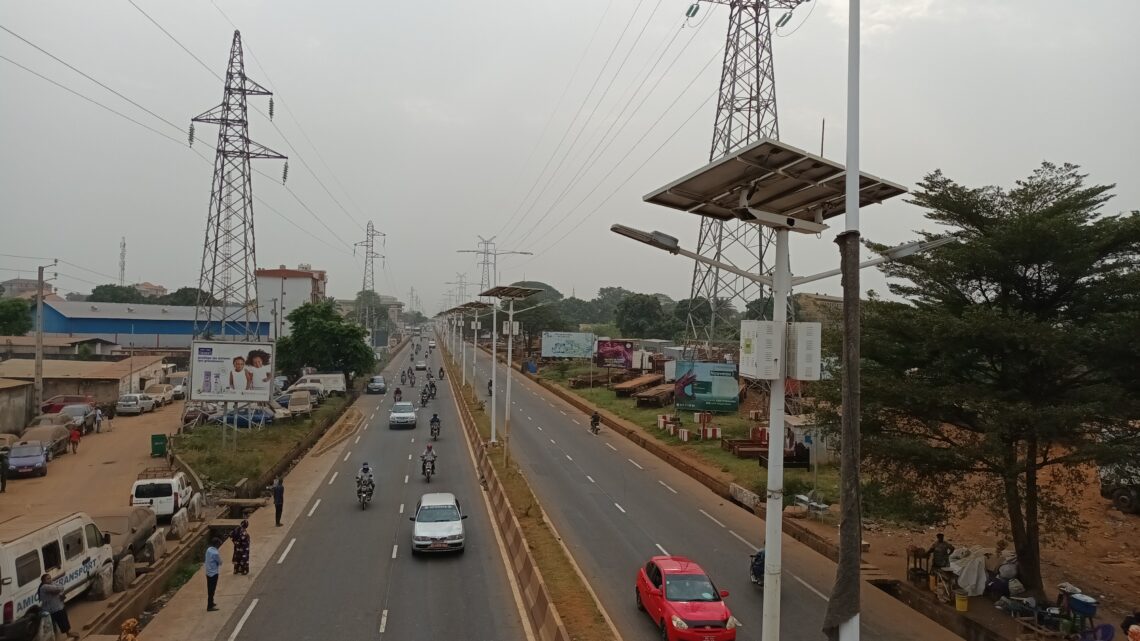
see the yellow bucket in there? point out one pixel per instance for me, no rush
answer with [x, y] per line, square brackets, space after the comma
[961, 602]
[933, 581]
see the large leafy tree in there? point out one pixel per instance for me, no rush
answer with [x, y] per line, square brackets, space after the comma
[639, 316]
[606, 302]
[186, 297]
[15, 317]
[116, 294]
[1014, 362]
[575, 311]
[322, 338]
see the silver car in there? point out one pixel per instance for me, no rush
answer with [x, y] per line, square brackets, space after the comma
[402, 415]
[438, 524]
[134, 404]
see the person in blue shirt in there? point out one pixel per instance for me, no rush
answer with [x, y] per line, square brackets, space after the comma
[213, 565]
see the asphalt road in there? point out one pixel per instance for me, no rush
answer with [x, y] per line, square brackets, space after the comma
[349, 573]
[616, 505]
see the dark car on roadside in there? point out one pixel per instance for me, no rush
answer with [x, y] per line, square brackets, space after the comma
[28, 458]
[376, 385]
[130, 527]
[53, 437]
[82, 416]
[197, 413]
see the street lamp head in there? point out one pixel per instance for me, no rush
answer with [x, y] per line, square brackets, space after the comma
[657, 239]
[912, 248]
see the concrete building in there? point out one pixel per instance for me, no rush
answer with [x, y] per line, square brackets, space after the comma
[130, 325]
[819, 308]
[99, 379]
[23, 287]
[12, 346]
[16, 401]
[150, 290]
[282, 290]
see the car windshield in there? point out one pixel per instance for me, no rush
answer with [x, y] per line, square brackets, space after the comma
[25, 450]
[154, 390]
[690, 587]
[128, 399]
[74, 410]
[377, 379]
[437, 514]
[402, 408]
[153, 490]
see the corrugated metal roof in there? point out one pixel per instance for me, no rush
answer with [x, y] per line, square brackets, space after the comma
[25, 368]
[6, 383]
[126, 311]
[49, 341]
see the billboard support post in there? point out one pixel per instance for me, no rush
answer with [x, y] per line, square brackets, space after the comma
[510, 371]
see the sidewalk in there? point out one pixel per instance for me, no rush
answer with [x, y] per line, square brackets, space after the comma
[185, 617]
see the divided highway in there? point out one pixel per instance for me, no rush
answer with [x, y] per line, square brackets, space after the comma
[348, 573]
[616, 505]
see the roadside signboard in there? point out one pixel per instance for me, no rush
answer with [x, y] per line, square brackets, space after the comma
[567, 344]
[613, 353]
[706, 386]
[230, 371]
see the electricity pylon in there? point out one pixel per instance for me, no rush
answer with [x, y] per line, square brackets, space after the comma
[367, 314]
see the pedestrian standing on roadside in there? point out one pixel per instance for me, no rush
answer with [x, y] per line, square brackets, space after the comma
[213, 564]
[240, 537]
[73, 438]
[98, 420]
[3, 471]
[278, 489]
[51, 599]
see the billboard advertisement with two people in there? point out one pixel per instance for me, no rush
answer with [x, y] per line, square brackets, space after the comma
[706, 387]
[567, 344]
[613, 353]
[231, 372]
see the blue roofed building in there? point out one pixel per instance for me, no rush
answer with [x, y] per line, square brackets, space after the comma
[131, 325]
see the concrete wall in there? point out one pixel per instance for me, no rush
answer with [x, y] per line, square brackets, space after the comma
[16, 408]
[103, 391]
[297, 292]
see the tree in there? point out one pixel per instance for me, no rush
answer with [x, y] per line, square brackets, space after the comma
[606, 302]
[639, 316]
[15, 317]
[186, 297]
[321, 338]
[75, 297]
[115, 294]
[1014, 364]
[575, 311]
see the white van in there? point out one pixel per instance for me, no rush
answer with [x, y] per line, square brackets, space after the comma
[71, 548]
[334, 384]
[162, 489]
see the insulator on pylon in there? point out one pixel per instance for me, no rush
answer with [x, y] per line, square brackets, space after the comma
[693, 9]
[271, 107]
[191, 134]
[285, 173]
[784, 19]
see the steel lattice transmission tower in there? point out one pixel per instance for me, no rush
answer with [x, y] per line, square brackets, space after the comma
[490, 261]
[227, 301]
[746, 112]
[368, 312]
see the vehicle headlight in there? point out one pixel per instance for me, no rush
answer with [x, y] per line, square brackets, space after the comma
[422, 539]
[732, 623]
[679, 623]
[455, 537]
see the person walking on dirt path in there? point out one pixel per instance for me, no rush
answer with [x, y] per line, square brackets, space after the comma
[278, 489]
[98, 420]
[51, 599]
[213, 565]
[3, 471]
[240, 537]
[73, 439]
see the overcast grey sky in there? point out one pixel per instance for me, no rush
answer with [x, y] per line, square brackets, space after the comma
[430, 118]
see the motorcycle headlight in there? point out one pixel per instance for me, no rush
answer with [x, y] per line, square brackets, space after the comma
[732, 623]
[679, 623]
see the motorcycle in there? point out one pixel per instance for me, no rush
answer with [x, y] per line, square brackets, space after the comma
[756, 569]
[423, 401]
[429, 469]
[364, 495]
[595, 426]
[435, 432]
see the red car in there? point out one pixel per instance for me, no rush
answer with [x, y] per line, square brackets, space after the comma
[681, 600]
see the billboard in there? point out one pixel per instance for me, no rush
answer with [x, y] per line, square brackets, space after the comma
[615, 354]
[230, 371]
[706, 386]
[567, 345]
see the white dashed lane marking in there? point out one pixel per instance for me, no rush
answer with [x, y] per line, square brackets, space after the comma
[286, 552]
[314, 508]
[333, 478]
[620, 508]
[664, 485]
[662, 549]
[634, 463]
[611, 447]
[711, 517]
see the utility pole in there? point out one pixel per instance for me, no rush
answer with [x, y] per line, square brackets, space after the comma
[39, 373]
[123, 261]
[227, 299]
[367, 315]
[746, 112]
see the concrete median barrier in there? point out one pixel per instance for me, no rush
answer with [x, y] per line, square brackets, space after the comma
[102, 585]
[179, 526]
[124, 574]
[155, 548]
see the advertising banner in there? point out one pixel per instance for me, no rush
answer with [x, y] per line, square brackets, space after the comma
[615, 354]
[235, 372]
[567, 344]
[706, 386]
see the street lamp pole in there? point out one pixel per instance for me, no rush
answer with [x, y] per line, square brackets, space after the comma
[495, 369]
[39, 366]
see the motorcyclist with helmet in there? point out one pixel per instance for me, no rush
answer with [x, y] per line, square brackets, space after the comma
[428, 455]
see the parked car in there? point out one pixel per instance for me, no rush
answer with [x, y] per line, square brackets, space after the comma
[280, 383]
[82, 416]
[134, 404]
[178, 381]
[198, 413]
[316, 390]
[58, 418]
[376, 385]
[247, 417]
[332, 384]
[402, 415]
[161, 393]
[282, 399]
[56, 403]
[682, 601]
[7, 441]
[129, 527]
[54, 438]
[438, 524]
[300, 402]
[162, 489]
[28, 458]
[1120, 484]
